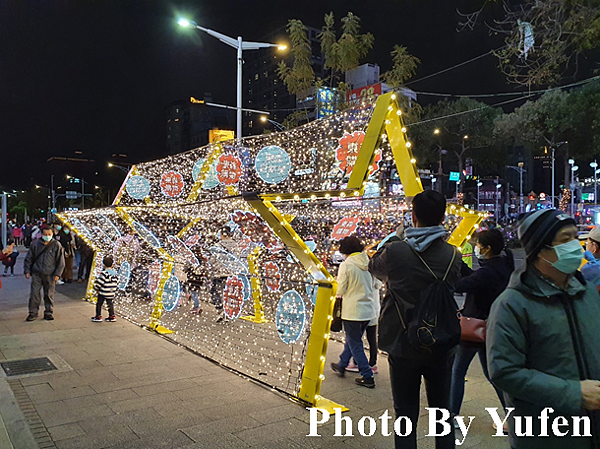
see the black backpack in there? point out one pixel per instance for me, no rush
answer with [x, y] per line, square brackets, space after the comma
[434, 326]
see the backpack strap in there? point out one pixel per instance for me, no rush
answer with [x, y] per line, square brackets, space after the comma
[430, 270]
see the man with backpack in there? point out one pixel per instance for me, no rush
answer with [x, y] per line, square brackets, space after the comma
[419, 326]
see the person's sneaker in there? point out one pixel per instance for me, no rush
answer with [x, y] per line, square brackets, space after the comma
[59, 282]
[339, 370]
[369, 382]
[31, 317]
[196, 310]
[48, 317]
[220, 319]
[12, 275]
[352, 367]
[79, 281]
[69, 281]
[4, 275]
[111, 319]
[504, 427]
[97, 319]
[374, 369]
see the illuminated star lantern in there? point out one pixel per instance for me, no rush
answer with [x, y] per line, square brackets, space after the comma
[171, 184]
[138, 187]
[344, 228]
[290, 317]
[233, 296]
[272, 164]
[229, 169]
[272, 276]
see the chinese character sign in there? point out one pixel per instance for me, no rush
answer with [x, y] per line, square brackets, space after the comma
[229, 169]
[344, 228]
[171, 184]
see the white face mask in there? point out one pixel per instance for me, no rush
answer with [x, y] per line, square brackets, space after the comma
[478, 254]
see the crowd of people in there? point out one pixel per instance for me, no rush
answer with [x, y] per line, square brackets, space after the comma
[540, 322]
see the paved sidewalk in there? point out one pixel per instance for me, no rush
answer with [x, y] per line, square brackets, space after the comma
[119, 385]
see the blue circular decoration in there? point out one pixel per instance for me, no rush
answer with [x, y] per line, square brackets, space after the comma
[211, 181]
[290, 317]
[171, 293]
[138, 187]
[124, 275]
[273, 164]
[144, 233]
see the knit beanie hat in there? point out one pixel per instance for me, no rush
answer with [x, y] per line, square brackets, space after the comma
[539, 227]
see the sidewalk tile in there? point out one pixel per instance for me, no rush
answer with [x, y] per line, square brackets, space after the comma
[64, 431]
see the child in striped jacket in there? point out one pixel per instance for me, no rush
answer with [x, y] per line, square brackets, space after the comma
[106, 286]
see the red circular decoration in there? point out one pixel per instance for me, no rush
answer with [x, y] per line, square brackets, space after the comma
[171, 183]
[229, 169]
[233, 296]
[345, 227]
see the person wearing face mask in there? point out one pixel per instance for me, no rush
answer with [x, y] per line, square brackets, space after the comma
[591, 270]
[542, 335]
[482, 287]
[44, 263]
[67, 241]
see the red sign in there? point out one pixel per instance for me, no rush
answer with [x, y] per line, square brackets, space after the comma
[273, 276]
[345, 227]
[229, 169]
[171, 183]
[233, 297]
[364, 92]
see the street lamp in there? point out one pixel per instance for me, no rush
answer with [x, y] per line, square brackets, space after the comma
[554, 147]
[479, 184]
[120, 167]
[240, 46]
[574, 168]
[521, 170]
[273, 122]
[594, 165]
[433, 180]
[498, 187]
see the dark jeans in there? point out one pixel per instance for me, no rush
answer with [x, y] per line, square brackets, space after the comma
[405, 377]
[85, 265]
[39, 282]
[216, 293]
[353, 348]
[109, 303]
[372, 340]
[462, 360]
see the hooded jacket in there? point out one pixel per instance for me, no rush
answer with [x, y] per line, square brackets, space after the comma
[532, 332]
[51, 262]
[484, 285]
[358, 288]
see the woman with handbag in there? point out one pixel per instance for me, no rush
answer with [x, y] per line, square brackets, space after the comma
[482, 287]
[360, 294]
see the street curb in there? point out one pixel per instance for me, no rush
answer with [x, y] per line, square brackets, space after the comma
[15, 425]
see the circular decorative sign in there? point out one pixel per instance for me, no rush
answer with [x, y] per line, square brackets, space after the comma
[273, 164]
[171, 184]
[290, 317]
[229, 169]
[210, 181]
[138, 187]
[272, 276]
[171, 293]
[345, 227]
[124, 275]
[233, 296]
[144, 233]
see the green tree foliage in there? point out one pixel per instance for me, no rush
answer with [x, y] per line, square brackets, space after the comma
[404, 66]
[461, 128]
[301, 75]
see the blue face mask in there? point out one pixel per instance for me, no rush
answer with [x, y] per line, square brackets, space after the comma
[569, 256]
[66, 231]
[58, 228]
[46, 238]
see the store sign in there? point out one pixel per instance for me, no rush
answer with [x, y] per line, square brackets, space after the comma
[454, 176]
[364, 92]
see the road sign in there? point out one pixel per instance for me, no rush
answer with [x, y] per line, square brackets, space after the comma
[72, 195]
[454, 176]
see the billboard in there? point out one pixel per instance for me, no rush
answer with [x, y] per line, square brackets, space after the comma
[373, 90]
[220, 135]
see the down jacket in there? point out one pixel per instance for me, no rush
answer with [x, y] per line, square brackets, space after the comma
[358, 288]
[51, 262]
[532, 332]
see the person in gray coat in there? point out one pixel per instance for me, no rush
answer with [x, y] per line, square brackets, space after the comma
[542, 340]
[44, 263]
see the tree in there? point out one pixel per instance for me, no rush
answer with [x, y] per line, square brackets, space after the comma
[404, 66]
[543, 38]
[463, 127]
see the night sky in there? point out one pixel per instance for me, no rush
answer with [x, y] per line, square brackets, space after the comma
[94, 76]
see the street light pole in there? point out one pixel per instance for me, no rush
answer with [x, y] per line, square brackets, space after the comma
[498, 186]
[53, 194]
[82, 193]
[239, 45]
[594, 165]
[479, 184]
[521, 170]
[574, 168]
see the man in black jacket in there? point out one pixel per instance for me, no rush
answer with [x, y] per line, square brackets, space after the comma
[44, 263]
[406, 276]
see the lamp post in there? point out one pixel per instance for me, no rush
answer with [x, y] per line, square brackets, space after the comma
[120, 167]
[553, 159]
[521, 170]
[82, 189]
[240, 45]
[574, 168]
[479, 184]
[498, 187]
[433, 180]
[594, 165]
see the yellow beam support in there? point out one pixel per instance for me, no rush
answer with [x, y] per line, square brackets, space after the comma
[132, 172]
[259, 316]
[465, 229]
[216, 151]
[316, 352]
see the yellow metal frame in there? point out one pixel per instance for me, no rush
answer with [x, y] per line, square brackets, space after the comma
[259, 316]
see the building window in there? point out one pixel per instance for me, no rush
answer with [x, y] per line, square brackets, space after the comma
[266, 74]
[256, 77]
[274, 93]
[250, 124]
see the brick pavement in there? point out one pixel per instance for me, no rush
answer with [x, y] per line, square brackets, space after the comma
[122, 386]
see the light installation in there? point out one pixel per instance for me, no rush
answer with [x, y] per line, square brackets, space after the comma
[248, 228]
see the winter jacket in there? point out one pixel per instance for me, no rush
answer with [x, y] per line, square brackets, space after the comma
[358, 288]
[406, 277]
[484, 285]
[106, 284]
[52, 262]
[531, 355]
